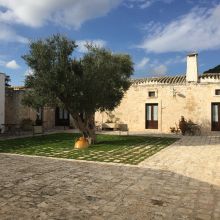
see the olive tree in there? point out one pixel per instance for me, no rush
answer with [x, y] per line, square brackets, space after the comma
[96, 82]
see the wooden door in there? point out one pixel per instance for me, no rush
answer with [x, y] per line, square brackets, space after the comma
[151, 118]
[216, 116]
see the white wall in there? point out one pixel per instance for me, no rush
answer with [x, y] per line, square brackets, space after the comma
[192, 68]
[2, 99]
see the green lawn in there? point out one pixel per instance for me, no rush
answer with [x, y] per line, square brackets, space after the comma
[109, 148]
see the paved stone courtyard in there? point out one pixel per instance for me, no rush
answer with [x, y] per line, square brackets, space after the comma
[180, 182]
[193, 156]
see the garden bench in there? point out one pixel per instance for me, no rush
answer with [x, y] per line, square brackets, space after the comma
[11, 129]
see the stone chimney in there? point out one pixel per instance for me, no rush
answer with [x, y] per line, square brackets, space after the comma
[192, 67]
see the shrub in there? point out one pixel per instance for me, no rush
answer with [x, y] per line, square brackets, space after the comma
[183, 125]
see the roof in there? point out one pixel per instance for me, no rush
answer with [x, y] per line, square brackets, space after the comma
[180, 79]
[161, 80]
[210, 75]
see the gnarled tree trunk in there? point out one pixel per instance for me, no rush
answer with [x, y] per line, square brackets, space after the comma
[86, 124]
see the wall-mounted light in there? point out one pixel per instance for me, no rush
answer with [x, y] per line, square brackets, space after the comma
[174, 92]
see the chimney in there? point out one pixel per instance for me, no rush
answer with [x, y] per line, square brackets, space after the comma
[192, 68]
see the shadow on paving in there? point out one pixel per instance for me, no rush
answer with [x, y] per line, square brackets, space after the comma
[41, 188]
[198, 141]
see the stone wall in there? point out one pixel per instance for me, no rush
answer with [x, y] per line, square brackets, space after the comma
[15, 112]
[191, 100]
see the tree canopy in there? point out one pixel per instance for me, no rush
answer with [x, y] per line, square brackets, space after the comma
[96, 82]
[213, 70]
[7, 81]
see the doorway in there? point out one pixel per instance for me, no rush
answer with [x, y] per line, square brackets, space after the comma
[216, 116]
[151, 116]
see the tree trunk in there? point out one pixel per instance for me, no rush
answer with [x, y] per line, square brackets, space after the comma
[90, 133]
[86, 125]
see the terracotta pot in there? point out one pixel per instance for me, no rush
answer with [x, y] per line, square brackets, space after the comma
[81, 143]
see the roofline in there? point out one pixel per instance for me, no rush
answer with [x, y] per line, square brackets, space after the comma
[156, 77]
[192, 54]
[3, 74]
[178, 79]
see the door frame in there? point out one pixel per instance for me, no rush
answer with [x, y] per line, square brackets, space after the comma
[151, 124]
[214, 127]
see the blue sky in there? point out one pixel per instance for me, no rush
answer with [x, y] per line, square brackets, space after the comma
[156, 33]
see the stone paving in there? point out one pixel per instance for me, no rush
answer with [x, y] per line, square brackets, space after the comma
[193, 156]
[180, 182]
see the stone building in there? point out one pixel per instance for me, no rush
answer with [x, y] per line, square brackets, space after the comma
[151, 105]
[156, 104]
[2, 99]
[17, 113]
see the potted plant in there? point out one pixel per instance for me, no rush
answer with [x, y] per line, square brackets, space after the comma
[38, 126]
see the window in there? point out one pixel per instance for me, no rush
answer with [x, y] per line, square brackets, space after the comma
[151, 94]
[61, 117]
[215, 112]
[217, 92]
[63, 114]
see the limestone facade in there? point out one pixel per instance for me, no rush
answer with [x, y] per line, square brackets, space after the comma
[191, 100]
[16, 112]
[170, 97]
[194, 96]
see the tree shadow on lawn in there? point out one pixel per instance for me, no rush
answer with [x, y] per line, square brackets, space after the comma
[132, 140]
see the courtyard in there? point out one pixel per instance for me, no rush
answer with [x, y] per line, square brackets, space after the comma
[109, 148]
[181, 181]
